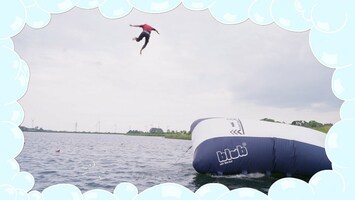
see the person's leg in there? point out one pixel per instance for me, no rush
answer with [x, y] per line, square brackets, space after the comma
[146, 36]
[146, 41]
[139, 38]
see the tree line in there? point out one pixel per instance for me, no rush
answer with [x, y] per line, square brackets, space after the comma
[310, 124]
[158, 131]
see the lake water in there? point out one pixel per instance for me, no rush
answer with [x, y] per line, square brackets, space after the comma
[102, 161]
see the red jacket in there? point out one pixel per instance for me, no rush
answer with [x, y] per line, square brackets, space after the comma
[147, 28]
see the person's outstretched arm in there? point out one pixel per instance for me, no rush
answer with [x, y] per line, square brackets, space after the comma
[135, 25]
[156, 30]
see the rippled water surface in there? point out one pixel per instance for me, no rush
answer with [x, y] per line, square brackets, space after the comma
[102, 161]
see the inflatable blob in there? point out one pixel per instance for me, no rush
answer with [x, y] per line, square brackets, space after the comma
[233, 146]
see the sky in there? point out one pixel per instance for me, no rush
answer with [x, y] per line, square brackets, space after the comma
[86, 72]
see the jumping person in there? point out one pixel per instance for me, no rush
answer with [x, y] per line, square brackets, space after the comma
[145, 34]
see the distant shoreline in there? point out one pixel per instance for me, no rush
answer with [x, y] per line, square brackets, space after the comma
[182, 135]
[73, 132]
[164, 135]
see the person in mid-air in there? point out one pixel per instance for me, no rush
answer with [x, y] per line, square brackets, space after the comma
[145, 34]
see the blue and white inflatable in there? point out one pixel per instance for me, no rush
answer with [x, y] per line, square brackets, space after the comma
[233, 146]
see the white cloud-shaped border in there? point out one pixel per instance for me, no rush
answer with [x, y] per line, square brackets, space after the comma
[332, 27]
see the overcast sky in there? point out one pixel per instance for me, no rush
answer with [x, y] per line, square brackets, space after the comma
[86, 69]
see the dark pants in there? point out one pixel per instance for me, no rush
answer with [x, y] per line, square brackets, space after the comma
[144, 35]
